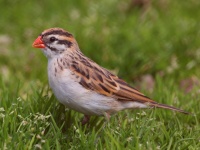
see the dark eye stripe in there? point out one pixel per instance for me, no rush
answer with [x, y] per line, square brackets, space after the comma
[68, 43]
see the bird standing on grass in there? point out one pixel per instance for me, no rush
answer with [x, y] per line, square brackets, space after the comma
[84, 86]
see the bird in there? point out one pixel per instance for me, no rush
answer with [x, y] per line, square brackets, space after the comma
[84, 86]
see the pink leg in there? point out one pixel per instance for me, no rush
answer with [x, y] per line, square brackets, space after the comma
[107, 116]
[85, 120]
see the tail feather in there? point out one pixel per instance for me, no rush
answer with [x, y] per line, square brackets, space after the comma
[168, 107]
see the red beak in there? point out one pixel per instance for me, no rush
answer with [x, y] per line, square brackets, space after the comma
[38, 43]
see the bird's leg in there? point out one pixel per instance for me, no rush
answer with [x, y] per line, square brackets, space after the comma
[107, 116]
[85, 119]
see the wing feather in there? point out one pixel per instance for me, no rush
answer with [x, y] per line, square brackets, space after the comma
[96, 78]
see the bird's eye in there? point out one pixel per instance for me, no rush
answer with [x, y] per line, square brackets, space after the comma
[52, 39]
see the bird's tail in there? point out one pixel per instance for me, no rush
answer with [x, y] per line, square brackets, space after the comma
[157, 105]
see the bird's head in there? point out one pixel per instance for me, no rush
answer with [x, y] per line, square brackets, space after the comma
[55, 41]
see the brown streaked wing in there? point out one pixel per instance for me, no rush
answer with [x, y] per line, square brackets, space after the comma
[100, 80]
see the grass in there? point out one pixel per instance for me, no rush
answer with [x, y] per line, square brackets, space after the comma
[162, 41]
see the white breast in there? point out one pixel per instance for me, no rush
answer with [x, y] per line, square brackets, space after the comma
[73, 95]
[70, 93]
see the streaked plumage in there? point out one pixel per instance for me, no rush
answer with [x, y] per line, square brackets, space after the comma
[81, 84]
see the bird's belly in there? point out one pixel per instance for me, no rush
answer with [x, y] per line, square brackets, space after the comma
[73, 95]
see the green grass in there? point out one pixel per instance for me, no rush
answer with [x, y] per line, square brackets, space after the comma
[162, 41]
